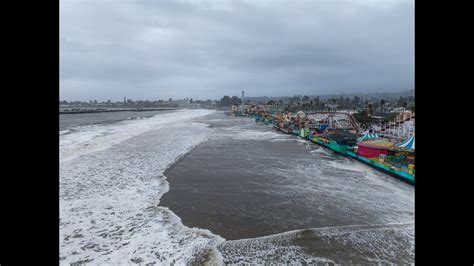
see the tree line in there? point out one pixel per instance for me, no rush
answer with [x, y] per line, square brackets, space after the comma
[132, 103]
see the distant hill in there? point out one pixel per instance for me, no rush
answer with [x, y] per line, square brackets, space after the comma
[376, 95]
[398, 94]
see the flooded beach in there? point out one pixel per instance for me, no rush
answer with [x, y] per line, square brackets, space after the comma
[195, 186]
[249, 181]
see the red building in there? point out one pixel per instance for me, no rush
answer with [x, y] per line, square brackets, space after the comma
[369, 150]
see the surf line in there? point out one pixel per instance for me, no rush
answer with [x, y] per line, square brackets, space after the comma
[331, 230]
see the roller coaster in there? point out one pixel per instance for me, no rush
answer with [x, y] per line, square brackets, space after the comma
[337, 119]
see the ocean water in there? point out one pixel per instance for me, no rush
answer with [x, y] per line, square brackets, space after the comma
[277, 198]
[69, 121]
[111, 182]
[195, 186]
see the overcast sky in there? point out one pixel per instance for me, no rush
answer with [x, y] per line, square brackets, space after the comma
[150, 49]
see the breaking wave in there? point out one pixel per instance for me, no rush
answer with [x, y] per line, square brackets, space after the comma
[353, 244]
[111, 182]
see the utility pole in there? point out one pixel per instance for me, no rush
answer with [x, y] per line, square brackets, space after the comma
[242, 103]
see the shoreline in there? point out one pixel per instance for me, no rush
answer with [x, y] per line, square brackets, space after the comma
[103, 110]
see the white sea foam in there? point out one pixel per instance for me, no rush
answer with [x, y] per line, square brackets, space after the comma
[282, 139]
[322, 151]
[370, 173]
[365, 243]
[110, 185]
[94, 138]
[249, 134]
[386, 189]
[65, 131]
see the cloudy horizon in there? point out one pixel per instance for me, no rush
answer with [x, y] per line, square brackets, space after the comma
[145, 49]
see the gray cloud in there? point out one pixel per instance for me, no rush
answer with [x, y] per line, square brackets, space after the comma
[148, 49]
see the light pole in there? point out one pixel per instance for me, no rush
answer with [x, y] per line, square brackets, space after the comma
[242, 104]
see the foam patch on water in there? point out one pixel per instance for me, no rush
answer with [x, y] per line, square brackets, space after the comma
[343, 244]
[375, 176]
[322, 151]
[109, 194]
[351, 165]
[241, 133]
[385, 188]
[344, 186]
[282, 140]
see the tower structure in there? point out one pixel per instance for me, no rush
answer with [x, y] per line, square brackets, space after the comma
[242, 103]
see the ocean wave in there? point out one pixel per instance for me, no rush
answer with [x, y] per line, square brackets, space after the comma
[93, 138]
[359, 244]
[109, 194]
[62, 132]
[67, 131]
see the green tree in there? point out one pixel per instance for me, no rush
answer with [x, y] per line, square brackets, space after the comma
[235, 100]
[225, 101]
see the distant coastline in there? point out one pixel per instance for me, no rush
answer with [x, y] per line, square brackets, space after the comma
[103, 110]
